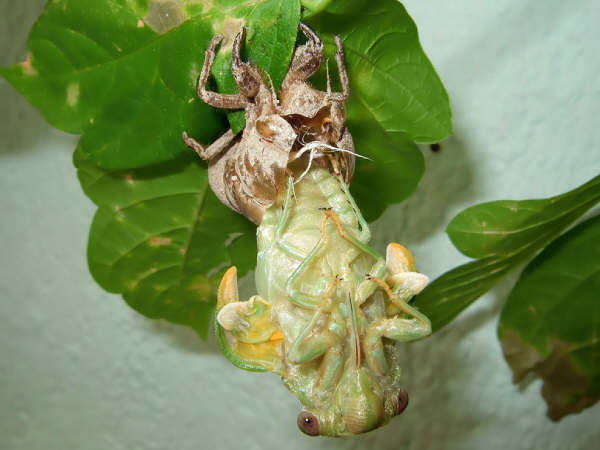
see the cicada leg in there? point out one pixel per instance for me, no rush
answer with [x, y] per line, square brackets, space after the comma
[309, 345]
[296, 296]
[367, 286]
[311, 301]
[307, 58]
[412, 324]
[306, 348]
[215, 99]
[245, 331]
[339, 58]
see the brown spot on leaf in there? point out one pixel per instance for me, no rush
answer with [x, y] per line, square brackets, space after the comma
[27, 67]
[158, 241]
[129, 178]
[567, 388]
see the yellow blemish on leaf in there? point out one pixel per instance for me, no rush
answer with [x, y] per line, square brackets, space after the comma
[129, 178]
[140, 23]
[163, 15]
[204, 291]
[183, 251]
[158, 241]
[91, 120]
[72, 94]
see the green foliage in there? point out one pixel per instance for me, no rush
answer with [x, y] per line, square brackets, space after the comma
[392, 172]
[503, 234]
[551, 322]
[123, 74]
[95, 67]
[162, 239]
[390, 75]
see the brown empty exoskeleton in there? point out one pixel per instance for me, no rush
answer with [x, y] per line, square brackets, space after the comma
[284, 134]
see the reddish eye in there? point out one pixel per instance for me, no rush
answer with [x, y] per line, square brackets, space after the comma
[402, 401]
[308, 423]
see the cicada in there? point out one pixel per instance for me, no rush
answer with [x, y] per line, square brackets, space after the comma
[329, 307]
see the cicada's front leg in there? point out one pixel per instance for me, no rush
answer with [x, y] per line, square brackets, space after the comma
[403, 322]
[245, 331]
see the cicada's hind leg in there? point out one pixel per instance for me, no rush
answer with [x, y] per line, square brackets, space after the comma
[245, 331]
[403, 322]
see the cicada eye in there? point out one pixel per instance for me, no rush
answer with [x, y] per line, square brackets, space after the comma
[308, 423]
[402, 401]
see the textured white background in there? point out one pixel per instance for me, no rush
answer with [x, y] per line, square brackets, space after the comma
[80, 370]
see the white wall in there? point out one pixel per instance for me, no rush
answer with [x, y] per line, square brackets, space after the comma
[80, 370]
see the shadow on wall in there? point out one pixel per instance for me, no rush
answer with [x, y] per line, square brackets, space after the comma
[181, 338]
[21, 125]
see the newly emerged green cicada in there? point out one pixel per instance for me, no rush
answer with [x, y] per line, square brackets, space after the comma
[329, 307]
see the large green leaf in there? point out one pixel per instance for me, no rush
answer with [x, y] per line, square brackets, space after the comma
[512, 242]
[162, 239]
[392, 172]
[124, 73]
[97, 67]
[551, 322]
[506, 226]
[271, 29]
[390, 75]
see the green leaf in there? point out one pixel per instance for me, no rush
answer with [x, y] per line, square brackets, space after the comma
[390, 75]
[395, 167]
[118, 74]
[551, 322]
[162, 239]
[504, 249]
[271, 29]
[312, 7]
[506, 226]
[123, 73]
